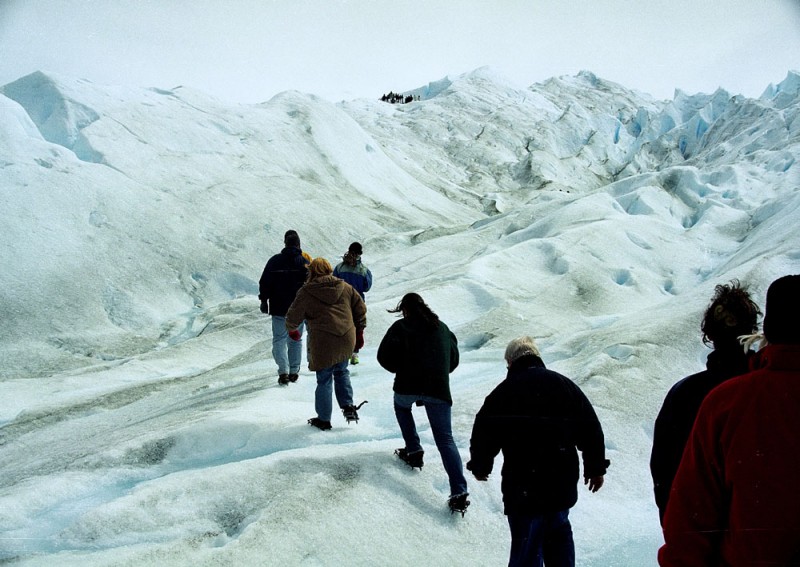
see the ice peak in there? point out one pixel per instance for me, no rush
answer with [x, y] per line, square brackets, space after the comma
[784, 93]
[46, 99]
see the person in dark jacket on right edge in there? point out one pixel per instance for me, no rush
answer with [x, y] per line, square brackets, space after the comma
[731, 314]
[538, 418]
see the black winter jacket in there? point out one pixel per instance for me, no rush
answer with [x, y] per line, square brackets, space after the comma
[283, 276]
[538, 419]
[422, 358]
[676, 418]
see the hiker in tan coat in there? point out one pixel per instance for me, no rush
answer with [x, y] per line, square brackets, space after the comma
[336, 316]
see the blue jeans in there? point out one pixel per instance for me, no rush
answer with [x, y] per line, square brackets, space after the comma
[541, 539]
[339, 375]
[286, 352]
[439, 417]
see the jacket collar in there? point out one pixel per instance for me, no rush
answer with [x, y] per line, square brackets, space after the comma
[784, 357]
[527, 361]
[728, 360]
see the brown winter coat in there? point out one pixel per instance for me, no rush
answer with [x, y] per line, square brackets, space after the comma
[333, 311]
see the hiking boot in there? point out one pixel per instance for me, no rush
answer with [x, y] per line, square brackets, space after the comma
[413, 460]
[293, 377]
[320, 424]
[350, 413]
[354, 358]
[283, 379]
[458, 503]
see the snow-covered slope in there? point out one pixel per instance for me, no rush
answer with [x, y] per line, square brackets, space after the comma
[147, 204]
[134, 362]
[150, 203]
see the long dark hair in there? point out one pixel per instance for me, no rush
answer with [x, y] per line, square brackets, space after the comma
[732, 313]
[415, 308]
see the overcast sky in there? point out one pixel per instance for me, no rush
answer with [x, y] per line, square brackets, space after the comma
[249, 50]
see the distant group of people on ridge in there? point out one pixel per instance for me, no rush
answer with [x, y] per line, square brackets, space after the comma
[398, 98]
[724, 463]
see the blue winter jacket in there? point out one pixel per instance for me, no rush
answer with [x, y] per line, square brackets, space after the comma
[357, 276]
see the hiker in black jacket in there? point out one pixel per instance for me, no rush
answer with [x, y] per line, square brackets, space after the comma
[284, 274]
[422, 352]
[731, 314]
[539, 419]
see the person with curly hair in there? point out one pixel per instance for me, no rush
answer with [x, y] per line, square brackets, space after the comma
[731, 314]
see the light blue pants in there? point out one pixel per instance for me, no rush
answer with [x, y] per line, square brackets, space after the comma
[339, 376]
[286, 352]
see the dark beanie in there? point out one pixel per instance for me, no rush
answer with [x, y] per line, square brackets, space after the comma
[288, 234]
[782, 320]
[292, 241]
[355, 248]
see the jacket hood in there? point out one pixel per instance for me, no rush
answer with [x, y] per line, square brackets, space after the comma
[327, 289]
[294, 256]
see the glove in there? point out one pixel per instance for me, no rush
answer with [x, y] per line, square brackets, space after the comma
[477, 474]
[265, 307]
[359, 338]
[295, 335]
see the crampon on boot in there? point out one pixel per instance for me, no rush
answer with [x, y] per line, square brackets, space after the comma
[319, 424]
[351, 412]
[458, 503]
[413, 460]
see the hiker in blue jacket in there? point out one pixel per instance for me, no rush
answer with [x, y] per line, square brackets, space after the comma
[356, 274]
